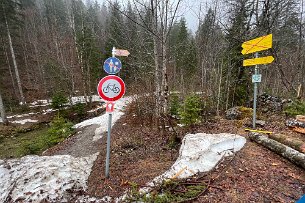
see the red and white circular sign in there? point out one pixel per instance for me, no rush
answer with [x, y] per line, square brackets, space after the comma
[111, 88]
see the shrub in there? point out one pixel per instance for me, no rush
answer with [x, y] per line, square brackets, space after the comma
[174, 104]
[32, 147]
[79, 108]
[58, 100]
[59, 130]
[191, 110]
[295, 108]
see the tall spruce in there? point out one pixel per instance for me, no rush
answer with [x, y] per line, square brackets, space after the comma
[238, 78]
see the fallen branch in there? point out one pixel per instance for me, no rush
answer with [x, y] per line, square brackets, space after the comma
[277, 147]
[293, 143]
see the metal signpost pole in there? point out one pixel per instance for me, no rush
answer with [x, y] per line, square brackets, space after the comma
[252, 46]
[108, 145]
[255, 94]
[109, 134]
[111, 88]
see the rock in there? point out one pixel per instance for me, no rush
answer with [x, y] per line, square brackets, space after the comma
[294, 123]
[260, 123]
[238, 112]
[267, 103]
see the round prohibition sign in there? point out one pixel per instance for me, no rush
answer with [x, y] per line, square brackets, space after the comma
[111, 88]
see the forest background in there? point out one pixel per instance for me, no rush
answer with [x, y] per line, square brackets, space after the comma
[51, 47]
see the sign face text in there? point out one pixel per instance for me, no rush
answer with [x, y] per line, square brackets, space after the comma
[257, 78]
[257, 61]
[121, 52]
[257, 44]
[112, 65]
[111, 88]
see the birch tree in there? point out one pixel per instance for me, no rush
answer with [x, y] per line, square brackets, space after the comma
[2, 111]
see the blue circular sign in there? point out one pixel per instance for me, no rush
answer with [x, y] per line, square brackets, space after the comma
[112, 65]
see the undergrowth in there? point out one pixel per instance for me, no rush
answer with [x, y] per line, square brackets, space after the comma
[168, 191]
[59, 130]
[295, 108]
[190, 111]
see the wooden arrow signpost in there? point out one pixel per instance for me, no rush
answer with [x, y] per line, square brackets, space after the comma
[121, 52]
[253, 46]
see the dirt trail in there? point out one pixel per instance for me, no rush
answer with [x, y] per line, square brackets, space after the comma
[79, 145]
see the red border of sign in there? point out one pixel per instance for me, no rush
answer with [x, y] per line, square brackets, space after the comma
[104, 79]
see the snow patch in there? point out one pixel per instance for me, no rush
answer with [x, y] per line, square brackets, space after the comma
[102, 120]
[22, 122]
[48, 111]
[83, 99]
[38, 103]
[97, 108]
[37, 178]
[104, 124]
[86, 199]
[1, 121]
[200, 153]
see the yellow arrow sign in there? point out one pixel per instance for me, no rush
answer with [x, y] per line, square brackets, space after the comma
[256, 61]
[257, 44]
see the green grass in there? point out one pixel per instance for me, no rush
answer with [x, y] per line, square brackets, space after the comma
[35, 141]
[12, 147]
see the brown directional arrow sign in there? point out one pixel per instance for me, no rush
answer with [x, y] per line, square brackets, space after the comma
[121, 52]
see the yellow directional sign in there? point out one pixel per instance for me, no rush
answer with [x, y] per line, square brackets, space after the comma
[256, 61]
[257, 44]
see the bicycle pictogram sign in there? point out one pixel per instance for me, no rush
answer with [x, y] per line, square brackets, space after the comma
[111, 88]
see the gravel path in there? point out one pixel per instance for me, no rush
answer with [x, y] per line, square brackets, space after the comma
[79, 145]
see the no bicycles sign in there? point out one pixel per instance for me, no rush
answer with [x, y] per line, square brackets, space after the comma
[111, 88]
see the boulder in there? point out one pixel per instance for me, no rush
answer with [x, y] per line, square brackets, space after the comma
[238, 112]
[267, 103]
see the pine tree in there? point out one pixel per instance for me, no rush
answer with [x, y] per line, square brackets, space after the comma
[238, 78]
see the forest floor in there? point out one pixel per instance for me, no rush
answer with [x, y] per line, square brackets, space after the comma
[139, 153]
[255, 174]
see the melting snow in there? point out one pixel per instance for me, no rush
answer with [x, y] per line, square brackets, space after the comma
[22, 122]
[103, 119]
[200, 153]
[40, 103]
[37, 178]
[82, 99]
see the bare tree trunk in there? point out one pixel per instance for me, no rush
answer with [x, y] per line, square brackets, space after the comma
[156, 58]
[22, 99]
[283, 150]
[10, 71]
[219, 88]
[80, 54]
[165, 92]
[2, 111]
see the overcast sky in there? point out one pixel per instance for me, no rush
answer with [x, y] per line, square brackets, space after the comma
[190, 9]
